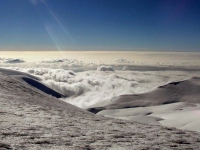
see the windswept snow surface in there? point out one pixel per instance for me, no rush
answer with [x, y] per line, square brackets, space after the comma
[33, 120]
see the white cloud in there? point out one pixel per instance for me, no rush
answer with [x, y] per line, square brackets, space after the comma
[89, 87]
[85, 88]
[123, 61]
[105, 68]
[11, 60]
[125, 68]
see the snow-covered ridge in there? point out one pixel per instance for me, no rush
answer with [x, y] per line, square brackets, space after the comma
[33, 120]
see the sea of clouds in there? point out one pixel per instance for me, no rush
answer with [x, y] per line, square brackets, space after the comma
[94, 82]
[11, 60]
[89, 87]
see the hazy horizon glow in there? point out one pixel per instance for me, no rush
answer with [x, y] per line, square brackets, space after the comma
[61, 59]
[138, 25]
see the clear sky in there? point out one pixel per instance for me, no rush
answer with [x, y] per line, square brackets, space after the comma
[144, 25]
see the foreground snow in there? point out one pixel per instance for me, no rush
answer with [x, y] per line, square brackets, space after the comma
[176, 104]
[31, 119]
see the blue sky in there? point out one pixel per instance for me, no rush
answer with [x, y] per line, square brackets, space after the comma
[144, 25]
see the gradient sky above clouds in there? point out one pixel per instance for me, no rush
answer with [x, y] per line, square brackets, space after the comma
[145, 25]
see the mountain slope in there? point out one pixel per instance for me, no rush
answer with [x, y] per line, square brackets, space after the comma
[183, 91]
[31, 119]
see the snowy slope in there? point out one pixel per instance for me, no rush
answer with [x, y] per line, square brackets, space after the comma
[31, 119]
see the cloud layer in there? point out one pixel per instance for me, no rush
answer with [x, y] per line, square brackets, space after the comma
[86, 83]
[89, 87]
[105, 68]
[11, 60]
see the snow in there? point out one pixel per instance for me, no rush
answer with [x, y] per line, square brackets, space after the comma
[31, 119]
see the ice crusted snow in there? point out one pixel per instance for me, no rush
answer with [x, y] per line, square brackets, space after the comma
[32, 120]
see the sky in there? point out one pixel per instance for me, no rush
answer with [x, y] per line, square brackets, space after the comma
[138, 25]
